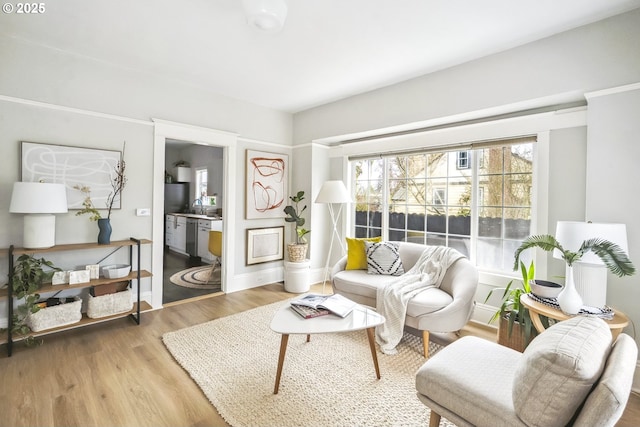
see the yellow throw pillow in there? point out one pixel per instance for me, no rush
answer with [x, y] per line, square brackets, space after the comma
[356, 253]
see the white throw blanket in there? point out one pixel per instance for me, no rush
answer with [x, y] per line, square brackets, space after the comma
[392, 300]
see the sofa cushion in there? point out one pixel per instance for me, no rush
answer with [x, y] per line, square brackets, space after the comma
[358, 282]
[383, 258]
[356, 252]
[558, 369]
[471, 377]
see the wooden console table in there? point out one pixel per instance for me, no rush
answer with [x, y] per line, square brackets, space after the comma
[536, 309]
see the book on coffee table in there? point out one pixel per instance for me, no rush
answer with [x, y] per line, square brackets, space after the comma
[309, 312]
[336, 303]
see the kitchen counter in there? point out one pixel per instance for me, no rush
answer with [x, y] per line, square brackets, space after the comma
[197, 216]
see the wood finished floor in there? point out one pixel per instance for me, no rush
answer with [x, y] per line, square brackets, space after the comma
[120, 374]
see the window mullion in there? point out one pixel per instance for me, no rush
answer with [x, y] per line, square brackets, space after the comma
[386, 197]
[475, 202]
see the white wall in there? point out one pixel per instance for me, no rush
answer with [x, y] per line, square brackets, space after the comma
[558, 68]
[612, 179]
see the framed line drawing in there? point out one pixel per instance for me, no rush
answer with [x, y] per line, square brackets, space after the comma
[267, 186]
[265, 244]
[68, 165]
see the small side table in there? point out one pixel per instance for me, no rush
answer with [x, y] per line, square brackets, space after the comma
[297, 276]
[536, 309]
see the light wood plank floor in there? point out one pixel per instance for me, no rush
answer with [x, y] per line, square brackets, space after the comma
[119, 374]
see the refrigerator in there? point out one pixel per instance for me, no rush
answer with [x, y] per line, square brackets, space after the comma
[176, 197]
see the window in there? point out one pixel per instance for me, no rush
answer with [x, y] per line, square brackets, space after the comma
[483, 210]
[463, 160]
[201, 183]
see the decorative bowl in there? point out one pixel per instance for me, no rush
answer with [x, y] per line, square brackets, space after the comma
[545, 289]
[115, 271]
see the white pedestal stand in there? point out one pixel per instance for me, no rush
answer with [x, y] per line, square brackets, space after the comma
[297, 276]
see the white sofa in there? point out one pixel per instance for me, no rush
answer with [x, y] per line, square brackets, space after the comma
[444, 309]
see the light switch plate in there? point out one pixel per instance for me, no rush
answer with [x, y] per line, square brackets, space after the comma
[143, 212]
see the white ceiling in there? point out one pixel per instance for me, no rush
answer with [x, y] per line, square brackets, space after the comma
[328, 49]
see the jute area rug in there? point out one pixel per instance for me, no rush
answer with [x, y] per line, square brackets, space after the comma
[329, 381]
[196, 278]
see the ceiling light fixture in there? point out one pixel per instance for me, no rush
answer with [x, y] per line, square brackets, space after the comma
[265, 15]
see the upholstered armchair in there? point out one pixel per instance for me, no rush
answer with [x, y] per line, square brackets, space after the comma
[568, 375]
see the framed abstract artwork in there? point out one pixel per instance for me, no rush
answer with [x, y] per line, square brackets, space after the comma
[265, 244]
[71, 166]
[267, 187]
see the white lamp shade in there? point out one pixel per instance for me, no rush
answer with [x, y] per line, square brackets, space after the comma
[265, 15]
[39, 201]
[38, 197]
[333, 192]
[571, 234]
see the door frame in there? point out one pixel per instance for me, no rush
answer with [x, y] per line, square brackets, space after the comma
[164, 129]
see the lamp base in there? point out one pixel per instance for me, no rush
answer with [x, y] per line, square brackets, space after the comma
[39, 231]
[591, 283]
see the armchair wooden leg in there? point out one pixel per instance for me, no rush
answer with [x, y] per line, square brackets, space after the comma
[425, 344]
[434, 419]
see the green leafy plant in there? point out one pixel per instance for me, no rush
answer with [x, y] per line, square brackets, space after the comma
[294, 214]
[512, 309]
[611, 254]
[27, 278]
[118, 182]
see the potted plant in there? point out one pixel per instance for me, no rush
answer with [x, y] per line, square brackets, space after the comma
[298, 250]
[612, 255]
[27, 278]
[515, 329]
[118, 182]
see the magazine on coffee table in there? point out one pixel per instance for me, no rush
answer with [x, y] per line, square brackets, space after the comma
[309, 312]
[336, 303]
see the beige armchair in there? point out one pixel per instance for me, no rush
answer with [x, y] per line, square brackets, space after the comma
[569, 375]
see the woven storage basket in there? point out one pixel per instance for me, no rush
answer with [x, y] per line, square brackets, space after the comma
[109, 304]
[517, 339]
[55, 316]
[297, 253]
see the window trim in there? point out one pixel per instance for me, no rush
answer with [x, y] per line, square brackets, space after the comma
[537, 138]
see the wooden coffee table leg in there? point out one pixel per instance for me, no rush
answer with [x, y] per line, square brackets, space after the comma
[283, 350]
[372, 345]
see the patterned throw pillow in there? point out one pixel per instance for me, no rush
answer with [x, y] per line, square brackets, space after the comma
[383, 258]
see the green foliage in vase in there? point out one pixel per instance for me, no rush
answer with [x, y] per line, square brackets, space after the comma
[611, 254]
[294, 214]
[512, 309]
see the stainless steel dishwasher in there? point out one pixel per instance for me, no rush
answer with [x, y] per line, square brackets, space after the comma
[192, 236]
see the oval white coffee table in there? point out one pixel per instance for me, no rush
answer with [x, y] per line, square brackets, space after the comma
[287, 322]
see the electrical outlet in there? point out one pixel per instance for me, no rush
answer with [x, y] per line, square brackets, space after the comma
[143, 212]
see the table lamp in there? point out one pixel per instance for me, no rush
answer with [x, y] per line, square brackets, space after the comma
[39, 201]
[590, 273]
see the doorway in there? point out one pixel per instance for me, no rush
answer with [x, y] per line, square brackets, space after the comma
[189, 270]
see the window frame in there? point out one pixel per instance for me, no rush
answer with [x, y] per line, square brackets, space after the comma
[475, 191]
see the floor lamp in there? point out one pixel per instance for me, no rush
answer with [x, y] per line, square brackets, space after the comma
[333, 193]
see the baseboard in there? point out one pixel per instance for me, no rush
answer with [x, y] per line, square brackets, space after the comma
[483, 313]
[256, 279]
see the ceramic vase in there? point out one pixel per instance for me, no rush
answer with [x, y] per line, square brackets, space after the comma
[569, 299]
[104, 234]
